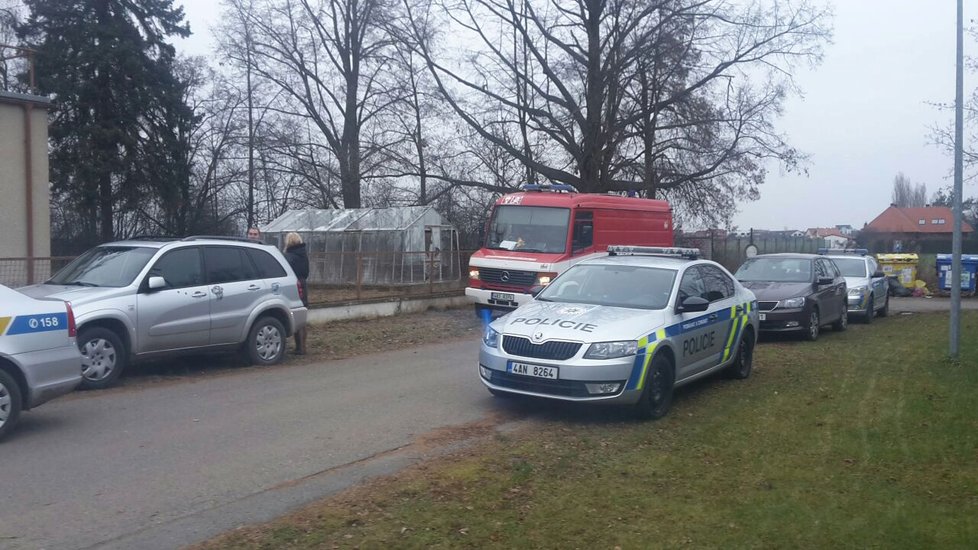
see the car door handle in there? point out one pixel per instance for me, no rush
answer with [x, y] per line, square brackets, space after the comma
[254, 287]
[199, 294]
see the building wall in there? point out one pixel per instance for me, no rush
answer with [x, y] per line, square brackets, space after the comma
[13, 185]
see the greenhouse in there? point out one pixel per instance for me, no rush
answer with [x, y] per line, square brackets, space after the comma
[373, 246]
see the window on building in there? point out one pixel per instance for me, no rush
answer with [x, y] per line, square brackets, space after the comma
[921, 222]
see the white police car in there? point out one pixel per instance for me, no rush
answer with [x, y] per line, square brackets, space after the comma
[626, 328]
[39, 359]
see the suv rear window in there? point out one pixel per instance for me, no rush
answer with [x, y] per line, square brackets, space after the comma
[268, 266]
[227, 264]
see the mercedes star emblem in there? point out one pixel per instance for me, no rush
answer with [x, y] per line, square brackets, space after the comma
[504, 277]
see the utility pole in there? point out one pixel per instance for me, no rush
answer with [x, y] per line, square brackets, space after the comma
[955, 329]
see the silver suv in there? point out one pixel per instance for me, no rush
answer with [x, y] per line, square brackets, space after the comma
[146, 298]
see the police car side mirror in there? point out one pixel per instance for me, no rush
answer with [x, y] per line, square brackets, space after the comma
[156, 283]
[693, 304]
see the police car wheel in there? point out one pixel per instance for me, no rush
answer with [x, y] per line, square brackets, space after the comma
[744, 362]
[842, 323]
[870, 310]
[886, 307]
[266, 342]
[11, 402]
[103, 357]
[814, 325]
[657, 396]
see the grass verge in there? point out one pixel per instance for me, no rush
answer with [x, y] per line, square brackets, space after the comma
[867, 438]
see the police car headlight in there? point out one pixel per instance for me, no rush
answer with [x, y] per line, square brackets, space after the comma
[793, 303]
[857, 291]
[611, 350]
[490, 337]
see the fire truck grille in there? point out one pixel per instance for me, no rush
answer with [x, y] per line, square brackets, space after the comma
[507, 276]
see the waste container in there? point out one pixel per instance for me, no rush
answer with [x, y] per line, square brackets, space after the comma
[901, 266]
[969, 269]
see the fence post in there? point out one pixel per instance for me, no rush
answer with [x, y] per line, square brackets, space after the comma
[430, 258]
[359, 272]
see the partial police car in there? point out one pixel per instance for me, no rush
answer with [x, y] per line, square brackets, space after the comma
[38, 356]
[626, 329]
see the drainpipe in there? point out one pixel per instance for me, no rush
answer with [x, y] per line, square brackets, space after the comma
[29, 182]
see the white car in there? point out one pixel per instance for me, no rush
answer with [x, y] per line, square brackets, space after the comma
[39, 359]
[868, 290]
[626, 328]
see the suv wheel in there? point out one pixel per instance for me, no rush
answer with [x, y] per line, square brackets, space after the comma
[657, 397]
[886, 306]
[103, 357]
[11, 402]
[266, 342]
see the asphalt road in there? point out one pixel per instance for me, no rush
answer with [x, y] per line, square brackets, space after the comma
[173, 463]
[927, 305]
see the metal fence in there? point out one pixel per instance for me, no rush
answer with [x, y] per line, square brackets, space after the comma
[730, 252]
[333, 276]
[15, 272]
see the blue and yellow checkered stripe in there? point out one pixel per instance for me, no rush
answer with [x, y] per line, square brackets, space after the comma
[648, 344]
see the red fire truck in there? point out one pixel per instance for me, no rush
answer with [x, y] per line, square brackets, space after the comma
[534, 235]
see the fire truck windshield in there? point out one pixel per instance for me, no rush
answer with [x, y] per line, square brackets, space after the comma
[529, 229]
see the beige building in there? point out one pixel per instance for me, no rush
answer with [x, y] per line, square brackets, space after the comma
[25, 217]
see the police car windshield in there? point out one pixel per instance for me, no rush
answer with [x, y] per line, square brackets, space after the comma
[851, 267]
[528, 229]
[112, 266]
[612, 285]
[777, 270]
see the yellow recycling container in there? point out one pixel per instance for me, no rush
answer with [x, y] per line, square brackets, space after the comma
[901, 266]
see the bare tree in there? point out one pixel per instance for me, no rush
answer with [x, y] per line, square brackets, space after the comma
[329, 58]
[609, 117]
[908, 195]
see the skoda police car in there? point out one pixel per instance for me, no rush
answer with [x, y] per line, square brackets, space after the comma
[38, 356]
[626, 328]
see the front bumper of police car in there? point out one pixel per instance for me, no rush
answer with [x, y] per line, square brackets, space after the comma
[606, 372]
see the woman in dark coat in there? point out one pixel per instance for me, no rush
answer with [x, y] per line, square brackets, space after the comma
[295, 254]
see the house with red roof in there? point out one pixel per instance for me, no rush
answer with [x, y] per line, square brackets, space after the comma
[832, 236]
[908, 229]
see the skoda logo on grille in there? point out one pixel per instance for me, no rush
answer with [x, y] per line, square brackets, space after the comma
[537, 337]
[504, 277]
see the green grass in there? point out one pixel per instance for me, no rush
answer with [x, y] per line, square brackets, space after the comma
[864, 439]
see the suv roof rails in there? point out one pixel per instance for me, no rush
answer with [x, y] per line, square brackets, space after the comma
[551, 187]
[148, 237]
[670, 252]
[843, 251]
[221, 238]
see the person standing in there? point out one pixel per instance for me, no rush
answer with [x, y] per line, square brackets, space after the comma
[254, 234]
[295, 254]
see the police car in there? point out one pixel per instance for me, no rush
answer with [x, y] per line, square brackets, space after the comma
[39, 359]
[626, 328]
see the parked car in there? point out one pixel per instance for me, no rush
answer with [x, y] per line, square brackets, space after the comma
[146, 298]
[868, 290]
[39, 359]
[626, 329]
[796, 292]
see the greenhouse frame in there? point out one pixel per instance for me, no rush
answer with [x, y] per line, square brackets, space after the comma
[373, 246]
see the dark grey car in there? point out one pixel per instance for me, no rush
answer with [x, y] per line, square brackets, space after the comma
[796, 292]
[139, 299]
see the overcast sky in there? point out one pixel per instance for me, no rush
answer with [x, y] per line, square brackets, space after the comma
[865, 114]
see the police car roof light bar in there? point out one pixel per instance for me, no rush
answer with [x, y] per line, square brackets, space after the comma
[672, 251]
[854, 251]
[552, 187]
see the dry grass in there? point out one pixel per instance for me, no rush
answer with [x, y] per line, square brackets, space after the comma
[863, 439]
